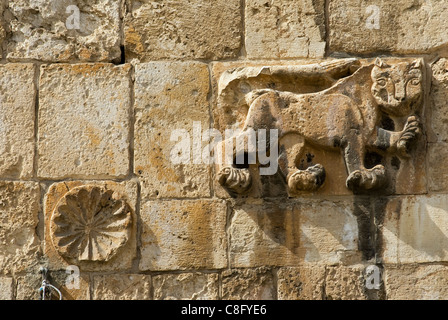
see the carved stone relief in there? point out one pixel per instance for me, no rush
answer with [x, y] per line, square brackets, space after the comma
[344, 106]
[90, 223]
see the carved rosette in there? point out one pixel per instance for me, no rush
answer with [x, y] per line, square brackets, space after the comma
[90, 223]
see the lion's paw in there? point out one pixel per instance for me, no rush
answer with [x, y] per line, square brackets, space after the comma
[367, 179]
[408, 137]
[235, 180]
[307, 180]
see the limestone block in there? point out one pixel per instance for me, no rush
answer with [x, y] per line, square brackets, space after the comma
[344, 283]
[171, 29]
[170, 106]
[424, 282]
[329, 232]
[5, 288]
[122, 287]
[301, 283]
[178, 235]
[278, 234]
[3, 24]
[186, 286]
[17, 105]
[84, 120]
[248, 284]
[28, 285]
[69, 218]
[285, 29]
[404, 26]
[437, 166]
[438, 96]
[64, 30]
[19, 243]
[264, 234]
[415, 229]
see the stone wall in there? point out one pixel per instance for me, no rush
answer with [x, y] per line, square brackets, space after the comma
[88, 106]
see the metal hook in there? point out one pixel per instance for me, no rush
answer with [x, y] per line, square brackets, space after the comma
[44, 272]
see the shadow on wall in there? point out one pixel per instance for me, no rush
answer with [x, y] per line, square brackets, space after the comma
[413, 229]
[268, 233]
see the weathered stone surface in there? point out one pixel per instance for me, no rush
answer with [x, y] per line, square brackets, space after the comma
[19, 208]
[437, 166]
[28, 285]
[174, 29]
[329, 232]
[264, 234]
[178, 235]
[17, 104]
[104, 253]
[5, 288]
[186, 286]
[301, 283]
[248, 284]
[425, 282]
[415, 229]
[344, 283]
[285, 29]
[84, 120]
[438, 96]
[122, 287]
[45, 30]
[3, 24]
[170, 97]
[404, 26]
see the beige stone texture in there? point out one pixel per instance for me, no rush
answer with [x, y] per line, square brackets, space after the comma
[3, 25]
[124, 252]
[285, 28]
[122, 287]
[404, 26]
[29, 284]
[17, 105]
[186, 286]
[19, 209]
[438, 96]
[84, 120]
[263, 234]
[5, 288]
[437, 167]
[279, 234]
[413, 282]
[329, 232]
[170, 97]
[248, 284]
[45, 30]
[344, 283]
[301, 283]
[171, 29]
[179, 235]
[415, 229]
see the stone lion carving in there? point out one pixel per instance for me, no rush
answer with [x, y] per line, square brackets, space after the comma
[346, 116]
